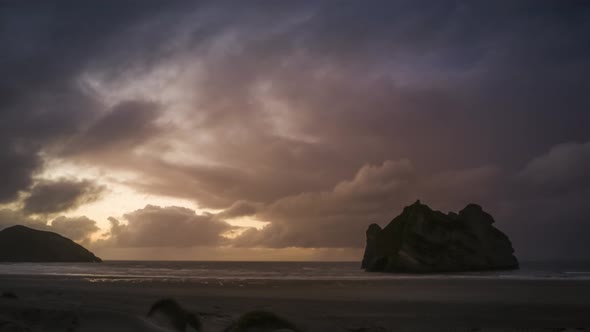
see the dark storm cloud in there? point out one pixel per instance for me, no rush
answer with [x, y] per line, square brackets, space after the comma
[172, 226]
[448, 87]
[125, 126]
[16, 168]
[48, 197]
[45, 49]
[239, 209]
[292, 102]
[398, 81]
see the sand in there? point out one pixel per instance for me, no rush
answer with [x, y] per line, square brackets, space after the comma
[53, 303]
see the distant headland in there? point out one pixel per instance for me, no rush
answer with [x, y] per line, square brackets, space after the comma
[24, 244]
[422, 240]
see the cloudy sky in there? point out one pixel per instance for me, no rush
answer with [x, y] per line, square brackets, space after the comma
[281, 129]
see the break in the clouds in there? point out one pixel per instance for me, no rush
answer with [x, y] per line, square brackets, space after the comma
[315, 118]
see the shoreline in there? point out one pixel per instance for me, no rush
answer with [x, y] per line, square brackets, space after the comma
[199, 272]
[321, 305]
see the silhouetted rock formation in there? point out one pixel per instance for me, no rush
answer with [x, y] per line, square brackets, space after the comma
[23, 244]
[169, 313]
[371, 247]
[423, 240]
[261, 321]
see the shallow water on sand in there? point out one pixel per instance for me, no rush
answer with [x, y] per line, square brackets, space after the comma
[198, 271]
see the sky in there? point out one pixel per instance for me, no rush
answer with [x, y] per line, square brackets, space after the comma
[279, 130]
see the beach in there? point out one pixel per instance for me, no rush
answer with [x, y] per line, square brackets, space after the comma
[82, 303]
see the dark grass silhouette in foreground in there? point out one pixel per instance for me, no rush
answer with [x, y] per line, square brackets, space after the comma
[262, 321]
[169, 313]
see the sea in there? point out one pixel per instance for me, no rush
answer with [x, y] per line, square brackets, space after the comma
[187, 271]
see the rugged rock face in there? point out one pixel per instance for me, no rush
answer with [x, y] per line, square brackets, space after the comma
[371, 247]
[423, 240]
[23, 244]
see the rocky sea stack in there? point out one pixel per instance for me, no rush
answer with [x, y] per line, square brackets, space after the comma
[23, 244]
[422, 240]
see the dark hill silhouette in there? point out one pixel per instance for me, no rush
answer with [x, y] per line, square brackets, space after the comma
[23, 244]
[423, 240]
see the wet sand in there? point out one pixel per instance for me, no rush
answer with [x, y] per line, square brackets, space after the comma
[53, 303]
